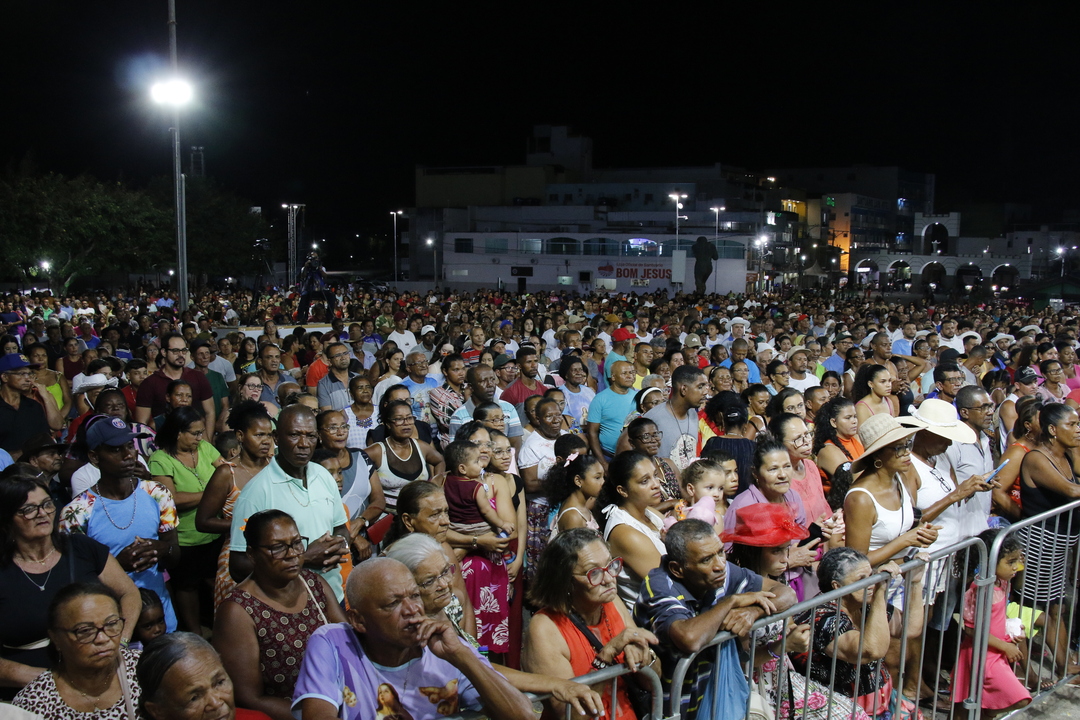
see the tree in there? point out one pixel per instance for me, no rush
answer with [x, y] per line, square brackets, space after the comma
[81, 226]
[221, 229]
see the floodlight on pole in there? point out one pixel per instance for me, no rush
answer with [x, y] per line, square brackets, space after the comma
[175, 92]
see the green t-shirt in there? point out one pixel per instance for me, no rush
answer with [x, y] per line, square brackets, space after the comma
[186, 480]
[218, 388]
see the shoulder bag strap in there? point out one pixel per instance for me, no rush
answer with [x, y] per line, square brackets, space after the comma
[312, 596]
[125, 687]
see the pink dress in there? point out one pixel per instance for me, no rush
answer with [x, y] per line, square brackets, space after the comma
[811, 493]
[1001, 687]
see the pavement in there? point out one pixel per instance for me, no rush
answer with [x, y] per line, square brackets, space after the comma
[1062, 703]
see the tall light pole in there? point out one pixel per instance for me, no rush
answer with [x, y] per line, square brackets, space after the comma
[435, 258]
[718, 210]
[176, 92]
[678, 198]
[290, 265]
[394, 214]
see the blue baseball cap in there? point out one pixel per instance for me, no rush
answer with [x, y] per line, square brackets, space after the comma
[15, 361]
[111, 431]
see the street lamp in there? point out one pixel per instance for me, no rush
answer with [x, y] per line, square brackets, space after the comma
[717, 210]
[45, 265]
[435, 258]
[678, 198]
[394, 214]
[175, 92]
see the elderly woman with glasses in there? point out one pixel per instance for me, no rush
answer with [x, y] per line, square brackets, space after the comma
[36, 562]
[262, 626]
[434, 574]
[92, 678]
[582, 625]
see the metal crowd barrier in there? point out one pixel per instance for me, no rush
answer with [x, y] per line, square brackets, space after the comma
[612, 674]
[1049, 543]
[942, 561]
[1047, 592]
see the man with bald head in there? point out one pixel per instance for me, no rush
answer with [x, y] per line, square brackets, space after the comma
[305, 490]
[392, 660]
[608, 412]
[481, 380]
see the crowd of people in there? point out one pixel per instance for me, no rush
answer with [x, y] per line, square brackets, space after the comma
[438, 502]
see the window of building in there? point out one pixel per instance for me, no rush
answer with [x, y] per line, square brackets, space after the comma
[585, 276]
[566, 280]
[568, 197]
[496, 246]
[463, 245]
[462, 272]
[563, 246]
[553, 197]
[530, 245]
[648, 198]
[604, 284]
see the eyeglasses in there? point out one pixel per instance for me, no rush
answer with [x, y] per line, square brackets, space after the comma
[407, 420]
[447, 572]
[988, 407]
[805, 439]
[903, 448]
[336, 428]
[280, 550]
[417, 363]
[596, 575]
[782, 373]
[649, 437]
[250, 386]
[88, 632]
[22, 373]
[177, 351]
[953, 380]
[29, 512]
[335, 356]
[505, 452]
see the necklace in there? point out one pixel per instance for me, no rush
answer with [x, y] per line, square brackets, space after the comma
[134, 507]
[300, 502]
[42, 586]
[42, 561]
[92, 699]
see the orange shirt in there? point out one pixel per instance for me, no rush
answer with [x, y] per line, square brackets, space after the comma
[582, 654]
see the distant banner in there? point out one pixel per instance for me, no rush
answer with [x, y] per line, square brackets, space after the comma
[636, 270]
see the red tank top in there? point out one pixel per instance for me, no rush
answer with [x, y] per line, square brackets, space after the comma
[582, 653]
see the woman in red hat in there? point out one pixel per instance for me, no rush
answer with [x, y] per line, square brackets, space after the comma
[760, 540]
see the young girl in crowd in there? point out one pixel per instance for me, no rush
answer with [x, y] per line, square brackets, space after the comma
[572, 486]
[1002, 690]
[151, 622]
[542, 511]
[704, 479]
[471, 501]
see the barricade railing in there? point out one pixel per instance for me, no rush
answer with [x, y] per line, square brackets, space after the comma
[1046, 598]
[612, 674]
[955, 561]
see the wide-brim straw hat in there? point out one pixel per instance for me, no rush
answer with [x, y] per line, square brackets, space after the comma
[877, 432]
[940, 418]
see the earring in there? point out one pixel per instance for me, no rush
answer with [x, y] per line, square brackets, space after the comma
[877, 464]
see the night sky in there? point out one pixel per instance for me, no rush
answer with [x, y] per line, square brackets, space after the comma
[333, 103]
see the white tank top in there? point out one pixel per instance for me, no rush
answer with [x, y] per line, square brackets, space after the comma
[629, 583]
[890, 524]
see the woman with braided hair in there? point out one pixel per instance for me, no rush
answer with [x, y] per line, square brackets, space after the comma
[836, 435]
